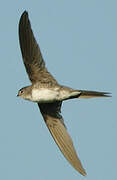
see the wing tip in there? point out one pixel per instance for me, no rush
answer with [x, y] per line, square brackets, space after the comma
[24, 16]
[25, 13]
[81, 170]
[84, 173]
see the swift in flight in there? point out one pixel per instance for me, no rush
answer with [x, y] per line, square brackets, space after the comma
[48, 93]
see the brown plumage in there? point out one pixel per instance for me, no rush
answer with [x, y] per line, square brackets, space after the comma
[45, 87]
[32, 57]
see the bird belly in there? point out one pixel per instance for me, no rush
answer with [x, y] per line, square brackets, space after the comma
[44, 95]
[66, 94]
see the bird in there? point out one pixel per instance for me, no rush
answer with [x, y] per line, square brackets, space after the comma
[48, 93]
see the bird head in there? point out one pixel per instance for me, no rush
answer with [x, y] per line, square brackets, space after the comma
[25, 93]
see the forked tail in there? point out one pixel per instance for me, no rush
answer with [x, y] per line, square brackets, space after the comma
[93, 94]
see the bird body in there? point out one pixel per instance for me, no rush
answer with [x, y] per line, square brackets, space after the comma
[48, 93]
[43, 95]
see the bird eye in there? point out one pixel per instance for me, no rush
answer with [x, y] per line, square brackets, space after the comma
[21, 91]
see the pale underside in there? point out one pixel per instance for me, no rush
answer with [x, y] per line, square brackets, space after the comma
[43, 95]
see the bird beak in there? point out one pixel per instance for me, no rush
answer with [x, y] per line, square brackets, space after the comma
[17, 95]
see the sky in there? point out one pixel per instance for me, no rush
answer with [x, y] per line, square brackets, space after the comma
[78, 40]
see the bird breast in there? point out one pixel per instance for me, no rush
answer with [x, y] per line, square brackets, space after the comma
[44, 95]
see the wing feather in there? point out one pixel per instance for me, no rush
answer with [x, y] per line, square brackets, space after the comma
[32, 57]
[55, 124]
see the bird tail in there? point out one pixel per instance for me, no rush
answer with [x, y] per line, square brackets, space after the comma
[93, 94]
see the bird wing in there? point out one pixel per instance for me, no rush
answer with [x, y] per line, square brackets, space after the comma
[56, 126]
[32, 57]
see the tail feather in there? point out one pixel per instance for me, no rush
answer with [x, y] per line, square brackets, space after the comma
[93, 94]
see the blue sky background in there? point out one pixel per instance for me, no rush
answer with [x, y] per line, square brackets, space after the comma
[78, 40]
